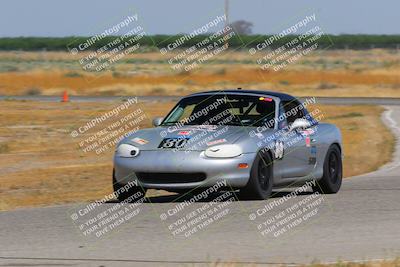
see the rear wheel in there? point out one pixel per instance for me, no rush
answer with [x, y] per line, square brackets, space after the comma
[126, 193]
[332, 176]
[259, 186]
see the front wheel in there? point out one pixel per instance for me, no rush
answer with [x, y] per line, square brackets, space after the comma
[332, 175]
[259, 186]
[126, 193]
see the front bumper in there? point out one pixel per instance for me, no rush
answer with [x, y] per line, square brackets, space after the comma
[168, 161]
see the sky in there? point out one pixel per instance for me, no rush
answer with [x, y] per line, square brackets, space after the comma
[57, 18]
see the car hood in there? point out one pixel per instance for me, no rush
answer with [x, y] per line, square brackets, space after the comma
[200, 137]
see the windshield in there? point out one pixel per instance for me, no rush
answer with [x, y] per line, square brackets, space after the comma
[219, 109]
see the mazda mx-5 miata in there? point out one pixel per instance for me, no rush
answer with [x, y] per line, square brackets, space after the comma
[249, 141]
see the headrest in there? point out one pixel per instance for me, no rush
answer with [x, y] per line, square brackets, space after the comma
[265, 107]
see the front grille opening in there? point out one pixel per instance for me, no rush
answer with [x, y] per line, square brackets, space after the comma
[170, 177]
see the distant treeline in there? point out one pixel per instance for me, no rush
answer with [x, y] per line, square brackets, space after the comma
[160, 41]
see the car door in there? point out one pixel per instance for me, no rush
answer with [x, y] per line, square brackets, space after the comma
[298, 159]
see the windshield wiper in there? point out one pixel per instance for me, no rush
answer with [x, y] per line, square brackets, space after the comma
[236, 123]
[180, 123]
[169, 122]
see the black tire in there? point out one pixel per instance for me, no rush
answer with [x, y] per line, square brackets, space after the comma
[331, 180]
[128, 194]
[259, 186]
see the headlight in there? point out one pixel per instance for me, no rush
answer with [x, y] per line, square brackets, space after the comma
[223, 151]
[126, 151]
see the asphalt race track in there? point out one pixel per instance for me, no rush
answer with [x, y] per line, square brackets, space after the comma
[361, 222]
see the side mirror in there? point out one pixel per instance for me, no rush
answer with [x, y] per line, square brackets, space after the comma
[300, 124]
[157, 121]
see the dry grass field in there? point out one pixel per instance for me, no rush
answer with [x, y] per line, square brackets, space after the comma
[41, 164]
[382, 263]
[367, 73]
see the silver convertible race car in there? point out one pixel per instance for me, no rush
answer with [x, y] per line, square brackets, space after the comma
[243, 140]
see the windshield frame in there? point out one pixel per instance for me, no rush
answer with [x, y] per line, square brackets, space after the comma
[274, 98]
